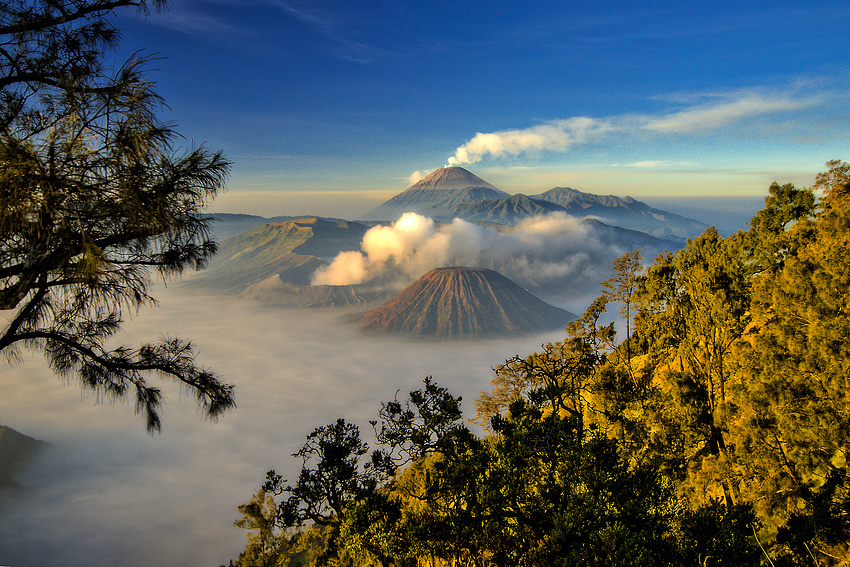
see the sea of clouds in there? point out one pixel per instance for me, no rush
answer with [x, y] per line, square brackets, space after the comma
[107, 493]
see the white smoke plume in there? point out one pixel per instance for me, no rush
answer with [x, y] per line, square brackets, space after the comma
[550, 255]
[723, 109]
[558, 135]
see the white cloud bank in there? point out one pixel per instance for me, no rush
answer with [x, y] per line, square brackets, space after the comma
[555, 256]
[562, 135]
[407, 249]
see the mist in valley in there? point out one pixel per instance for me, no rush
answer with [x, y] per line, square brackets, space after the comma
[107, 493]
[559, 258]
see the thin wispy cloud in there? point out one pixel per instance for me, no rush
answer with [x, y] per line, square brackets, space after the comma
[346, 39]
[726, 112]
[194, 19]
[562, 135]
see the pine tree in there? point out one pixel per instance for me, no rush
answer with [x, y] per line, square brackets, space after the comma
[94, 198]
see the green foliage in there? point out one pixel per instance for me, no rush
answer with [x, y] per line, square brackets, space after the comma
[794, 361]
[578, 502]
[622, 288]
[94, 197]
[540, 491]
[667, 396]
[330, 483]
[560, 374]
[266, 546]
[822, 528]
[741, 365]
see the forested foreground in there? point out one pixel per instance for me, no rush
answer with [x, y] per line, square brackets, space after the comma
[716, 433]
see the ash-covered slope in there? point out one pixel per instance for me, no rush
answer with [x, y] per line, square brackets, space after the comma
[436, 196]
[452, 177]
[625, 212]
[464, 302]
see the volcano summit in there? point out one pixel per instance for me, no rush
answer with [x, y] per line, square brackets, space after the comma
[437, 195]
[464, 302]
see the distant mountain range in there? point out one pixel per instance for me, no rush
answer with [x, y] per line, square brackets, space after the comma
[227, 225]
[624, 212]
[274, 260]
[464, 302]
[454, 192]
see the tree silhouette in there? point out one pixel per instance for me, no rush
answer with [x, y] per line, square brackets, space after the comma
[94, 199]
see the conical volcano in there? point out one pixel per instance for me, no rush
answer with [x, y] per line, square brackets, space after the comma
[464, 302]
[437, 195]
[451, 178]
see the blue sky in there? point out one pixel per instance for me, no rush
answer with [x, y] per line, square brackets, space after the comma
[331, 107]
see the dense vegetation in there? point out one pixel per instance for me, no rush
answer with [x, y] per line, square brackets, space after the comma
[716, 433]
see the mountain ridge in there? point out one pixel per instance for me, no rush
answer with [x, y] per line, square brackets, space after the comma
[509, 210]
[626, 212]
[454, 192]
[293, 250]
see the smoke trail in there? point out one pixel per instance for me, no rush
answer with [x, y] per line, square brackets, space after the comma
[558, 135]
[722, 109]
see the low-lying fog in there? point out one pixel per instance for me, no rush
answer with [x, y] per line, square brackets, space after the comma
[107, 493]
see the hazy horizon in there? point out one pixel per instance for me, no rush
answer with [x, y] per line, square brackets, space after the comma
[728, 214]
